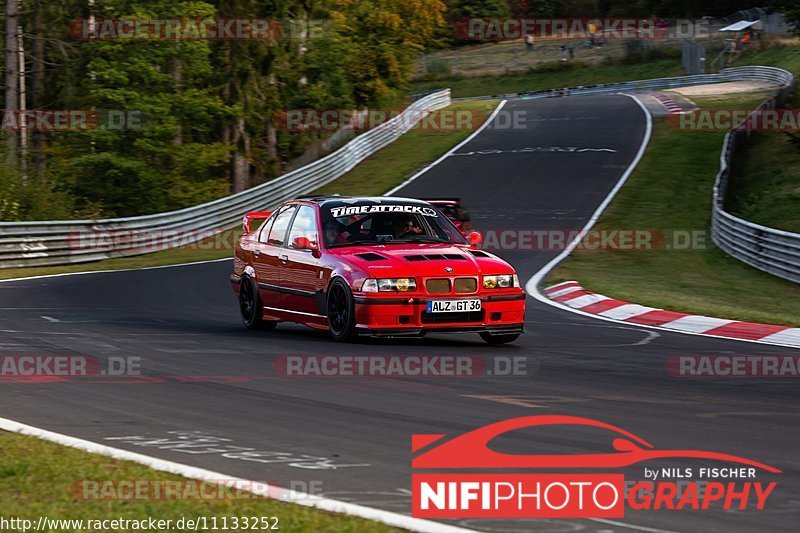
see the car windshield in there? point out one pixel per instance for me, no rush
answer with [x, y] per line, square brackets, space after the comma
[346, 224]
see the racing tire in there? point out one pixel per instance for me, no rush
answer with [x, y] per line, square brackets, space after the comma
[250, 306]
[341, 311]
[504, 338]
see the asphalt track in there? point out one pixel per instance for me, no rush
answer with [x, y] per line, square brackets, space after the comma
[351, 436]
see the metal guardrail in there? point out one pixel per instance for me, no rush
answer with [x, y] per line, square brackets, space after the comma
[768, 249]
[770, 74]
[27, 244]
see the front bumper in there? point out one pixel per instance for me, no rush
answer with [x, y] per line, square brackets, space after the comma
[406, 316]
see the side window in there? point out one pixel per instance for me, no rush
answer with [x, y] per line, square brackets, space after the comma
[277, 232]
[263, 232]
[304, 225]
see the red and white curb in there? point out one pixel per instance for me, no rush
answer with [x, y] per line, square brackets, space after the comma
[669, 103]
[571, 294]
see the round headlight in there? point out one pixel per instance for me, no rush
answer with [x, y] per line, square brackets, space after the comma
[489, 282]
[402, 284]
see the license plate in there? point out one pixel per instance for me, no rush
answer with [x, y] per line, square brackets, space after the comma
[453, 306]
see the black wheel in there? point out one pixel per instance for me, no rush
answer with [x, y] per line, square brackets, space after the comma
[250, 306]
[503, 338]
[341, 313]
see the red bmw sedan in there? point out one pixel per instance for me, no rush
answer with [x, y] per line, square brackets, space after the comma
[373, 266]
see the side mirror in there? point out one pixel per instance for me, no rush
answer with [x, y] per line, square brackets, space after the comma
[253, 215]
[303, 243]
[474, 238]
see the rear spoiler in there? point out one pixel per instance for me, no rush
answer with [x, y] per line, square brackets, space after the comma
[253, 215]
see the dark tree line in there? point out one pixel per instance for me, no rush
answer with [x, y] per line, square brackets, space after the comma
[198, 116]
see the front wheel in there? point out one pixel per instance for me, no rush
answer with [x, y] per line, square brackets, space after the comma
[499, 339]
[250, 306]
[341, 311]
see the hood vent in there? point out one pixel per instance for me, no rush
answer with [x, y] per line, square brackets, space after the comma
[371, 256]
[435, 257]
[478, 253]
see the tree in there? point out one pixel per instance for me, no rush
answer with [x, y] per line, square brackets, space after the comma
[11, 78]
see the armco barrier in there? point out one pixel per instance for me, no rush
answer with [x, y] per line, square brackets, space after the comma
[770, 74]
[25, 244]
[768, 249]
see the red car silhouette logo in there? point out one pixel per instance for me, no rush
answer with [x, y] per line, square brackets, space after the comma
[471, 450]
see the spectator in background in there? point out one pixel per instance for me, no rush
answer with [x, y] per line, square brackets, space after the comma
[529, 42]
[563, 52]
[571, 52]
[745, 39]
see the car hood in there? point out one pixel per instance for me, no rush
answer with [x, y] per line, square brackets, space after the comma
[408, 260]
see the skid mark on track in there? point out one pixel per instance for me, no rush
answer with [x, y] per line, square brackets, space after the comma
[529, 402]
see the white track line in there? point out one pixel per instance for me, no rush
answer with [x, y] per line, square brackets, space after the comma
[594, 218]
[449, 152]
[630, 526]
[532, 286]
[290, 496]
[113, 270]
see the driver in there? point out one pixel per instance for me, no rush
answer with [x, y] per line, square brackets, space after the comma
[334, 233]
[404, 226]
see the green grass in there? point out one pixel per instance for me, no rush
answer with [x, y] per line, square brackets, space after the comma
[409, 154]
[38, 478]
[553, 76]
[671, 190]
[765, 183]
[786, 56]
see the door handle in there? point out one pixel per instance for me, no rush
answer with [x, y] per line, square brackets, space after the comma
[256, 252]
[284, 258]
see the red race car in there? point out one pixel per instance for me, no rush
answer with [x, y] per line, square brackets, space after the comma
[380, 266]
[452, 209]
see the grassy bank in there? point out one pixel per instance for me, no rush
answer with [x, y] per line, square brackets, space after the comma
[765, 180]
[409, 154]
[553, 75]
[670, 191]
[39, 478]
